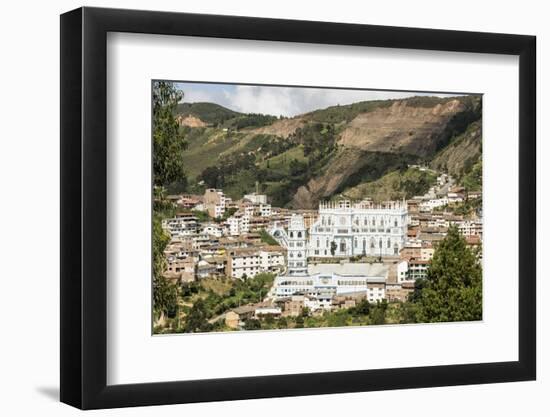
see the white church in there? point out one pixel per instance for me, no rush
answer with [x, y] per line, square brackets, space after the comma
[362, 228]
[343, 229]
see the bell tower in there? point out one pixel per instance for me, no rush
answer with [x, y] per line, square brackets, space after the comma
[297, 247]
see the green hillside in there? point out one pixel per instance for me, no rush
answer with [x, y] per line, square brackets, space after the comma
[219, 116]
[359, 150]
[462, 157]
[394, 186]
[210, 113]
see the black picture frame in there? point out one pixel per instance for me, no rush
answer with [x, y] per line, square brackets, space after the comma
[84, 207]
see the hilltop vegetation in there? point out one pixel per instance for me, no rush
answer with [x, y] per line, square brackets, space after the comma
[219, 116]
[360, 149]
[394, 186]
[462, 157]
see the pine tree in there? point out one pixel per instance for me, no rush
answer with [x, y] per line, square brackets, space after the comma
[453, 289]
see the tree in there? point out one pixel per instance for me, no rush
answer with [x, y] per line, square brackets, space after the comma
[362, 308]
[453, 289]
[197, 321]
[168, 141]
[377, 315]
[165, 299]
[213, 177]
[333, 248]
[252, 324]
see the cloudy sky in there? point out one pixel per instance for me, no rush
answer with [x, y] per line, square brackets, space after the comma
[286, 101]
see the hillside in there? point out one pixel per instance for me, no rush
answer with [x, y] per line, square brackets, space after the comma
[341, 149]
[462, 157]
[396, 185]
[209, 113]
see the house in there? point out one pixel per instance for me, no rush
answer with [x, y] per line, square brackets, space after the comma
[418, 268]
[251, 261]
[232, 320]
[243, 312]
[184, 224]
[215, 202]
[397, 292]
[205, 269]
[267, 311]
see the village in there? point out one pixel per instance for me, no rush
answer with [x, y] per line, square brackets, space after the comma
[320, 260]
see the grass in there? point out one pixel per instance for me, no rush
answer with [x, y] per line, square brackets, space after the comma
[267, 238]
[204, 150]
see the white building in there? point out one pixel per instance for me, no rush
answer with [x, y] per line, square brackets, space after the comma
[182, 225]
[213, 229]
[324, 281]
[265, 210]
[297, 246]
[402, 272]
[470, 227]
[238, 224]
[256, 198]
[233, 224]
[253, 261]
[429, 205]
[363, 228]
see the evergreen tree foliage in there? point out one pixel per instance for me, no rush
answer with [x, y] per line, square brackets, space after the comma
[453, 289]
[168, 141]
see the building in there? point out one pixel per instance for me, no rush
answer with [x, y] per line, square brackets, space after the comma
[188, 201]
[324, 281]
[232, 320]
[418, 268]
[252, 261]
[348, 229]
[235, 318]
[402, 272]
[256, 198]
[184, 224]
[213, 229]
[215, 202]
[267, 311]
[470, 227]
[433, 203]
[297, 246]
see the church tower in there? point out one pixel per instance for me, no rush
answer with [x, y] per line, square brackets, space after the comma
[297, 247]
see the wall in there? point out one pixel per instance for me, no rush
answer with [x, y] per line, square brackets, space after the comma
[29, 175]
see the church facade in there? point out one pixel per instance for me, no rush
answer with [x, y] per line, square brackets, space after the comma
[346, 228]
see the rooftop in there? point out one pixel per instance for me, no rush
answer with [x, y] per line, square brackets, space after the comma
[348, 268]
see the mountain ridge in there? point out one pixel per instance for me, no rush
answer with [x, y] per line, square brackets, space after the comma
[303, 159]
